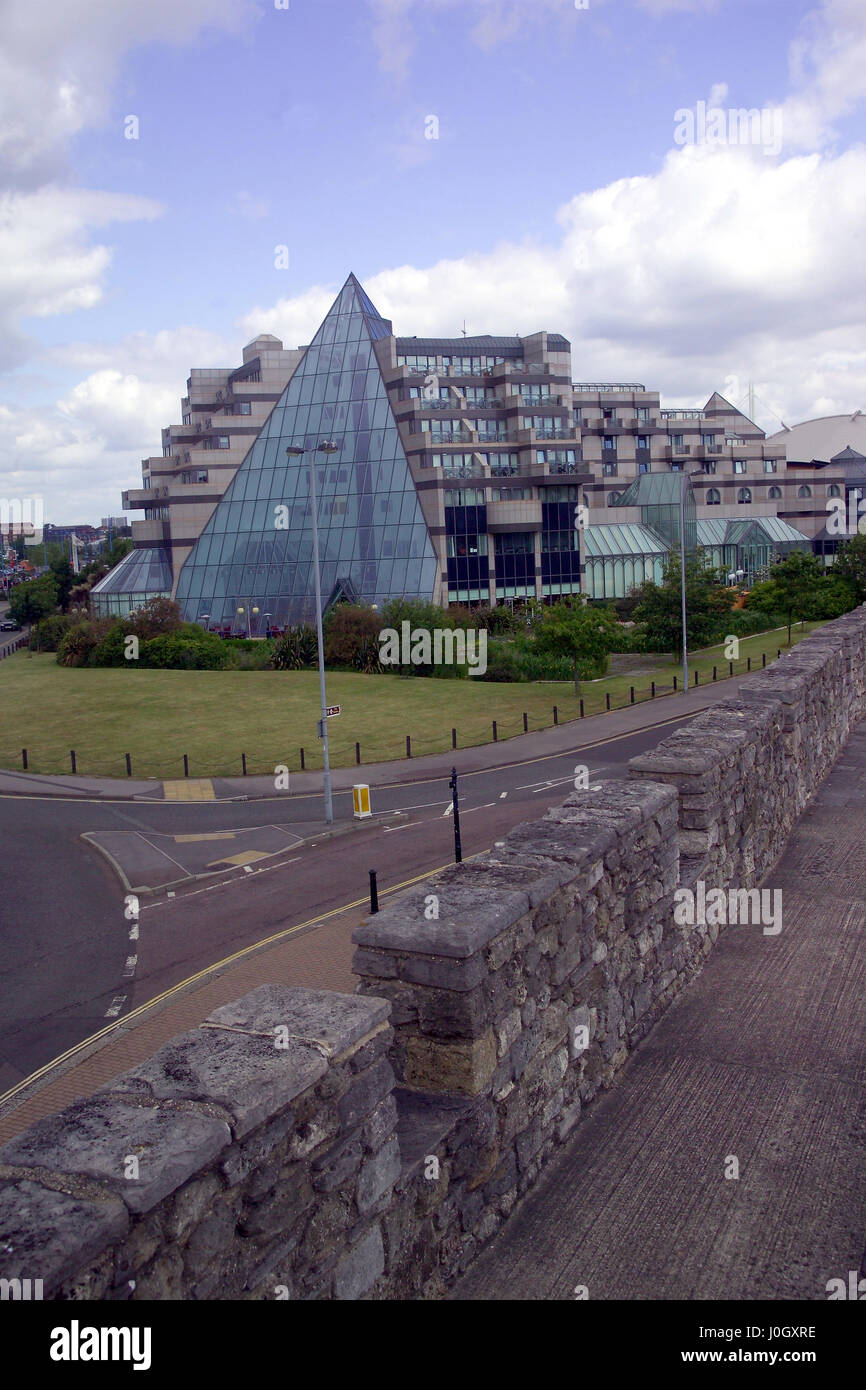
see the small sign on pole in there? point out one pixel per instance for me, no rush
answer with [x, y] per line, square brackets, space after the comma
[332, 710]
[361, 799]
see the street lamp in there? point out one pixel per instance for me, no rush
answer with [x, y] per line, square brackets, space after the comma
[328, 446]
[684, 475]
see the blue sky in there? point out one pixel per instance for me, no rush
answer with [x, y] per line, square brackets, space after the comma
[555, 195]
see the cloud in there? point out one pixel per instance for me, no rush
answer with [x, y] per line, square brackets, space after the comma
[59, 63]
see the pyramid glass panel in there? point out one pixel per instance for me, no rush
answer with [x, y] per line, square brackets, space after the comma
[373, 539]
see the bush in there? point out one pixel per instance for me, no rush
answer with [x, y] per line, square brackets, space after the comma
[256, 657]
[351, 633]
[79, 643]
[502, 663]
[190, 649]
[297, 649]
[111, 651]
[156, 617]
[49, 633]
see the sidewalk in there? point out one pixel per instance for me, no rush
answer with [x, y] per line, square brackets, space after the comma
[763, 1059]
[564, 738]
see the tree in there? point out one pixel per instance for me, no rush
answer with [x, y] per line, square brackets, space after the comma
[155, 618]
[351, 635]
[582, 633]
[34, 600]
[120, 546]
[850, 565]
[65, 576]
[790, 588]
[658, 611]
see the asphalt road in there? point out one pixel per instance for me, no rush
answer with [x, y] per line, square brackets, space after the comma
[68, 963]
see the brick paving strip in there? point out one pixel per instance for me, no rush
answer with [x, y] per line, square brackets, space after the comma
[320, 957]
[763, 1058]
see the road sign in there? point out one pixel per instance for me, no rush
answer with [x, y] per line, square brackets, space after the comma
[332, 710]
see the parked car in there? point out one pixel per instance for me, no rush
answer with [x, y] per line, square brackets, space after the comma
[10, 626]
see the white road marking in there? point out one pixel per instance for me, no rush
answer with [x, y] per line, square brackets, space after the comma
[116, 1005]
[485, 807]
[449, 809]
[502, 795]
[390, 829]
[224, 883]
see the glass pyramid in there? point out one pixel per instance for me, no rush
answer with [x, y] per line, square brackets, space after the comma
[256, 551]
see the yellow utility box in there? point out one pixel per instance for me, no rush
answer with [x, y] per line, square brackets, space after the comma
[361, 796]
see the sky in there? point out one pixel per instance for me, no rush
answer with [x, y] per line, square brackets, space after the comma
[503, 165]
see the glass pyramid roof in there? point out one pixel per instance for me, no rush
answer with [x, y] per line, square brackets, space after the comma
[256, 551]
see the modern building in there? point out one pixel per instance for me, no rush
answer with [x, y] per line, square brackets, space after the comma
[459, 467]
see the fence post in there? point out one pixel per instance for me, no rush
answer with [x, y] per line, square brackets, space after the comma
[730, 668]
[358, 754]
[763, 658]
[607, 699]
[24, 758]
[302, 759]
[748, 663]
[185, 765]
[555, 715]
[244, 763]
[631, 689]
[675, 685]
[408, 746]
[525, 722]
[374, 893]
[697, 677]
[652, 690]
[495, 740]
[453, 738]
[581, 706]
[128, 765]
[72, 758]
[714, 673]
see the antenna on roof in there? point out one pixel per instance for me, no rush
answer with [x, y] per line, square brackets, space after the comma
[464, 328]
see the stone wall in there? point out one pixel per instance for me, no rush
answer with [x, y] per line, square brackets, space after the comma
[306, 1144]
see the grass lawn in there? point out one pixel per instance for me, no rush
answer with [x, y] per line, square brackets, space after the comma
[214, 716]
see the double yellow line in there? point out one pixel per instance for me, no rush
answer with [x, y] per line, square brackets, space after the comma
[142, 1009]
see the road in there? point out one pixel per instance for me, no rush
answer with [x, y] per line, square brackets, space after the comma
[68, 962]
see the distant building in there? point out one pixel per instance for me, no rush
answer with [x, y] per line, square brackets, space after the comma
[460, 465]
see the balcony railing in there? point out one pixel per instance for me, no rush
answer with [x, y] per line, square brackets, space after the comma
[682, 414]
[608, 386]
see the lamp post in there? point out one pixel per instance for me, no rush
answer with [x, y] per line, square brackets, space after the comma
[326, 447]
[683, 578]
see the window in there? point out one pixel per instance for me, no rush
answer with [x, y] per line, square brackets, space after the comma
[804, 491]
[577, 415]
[714, 497]
[608, 444]
[464, 497]
[460, 546]
[511, 494]
[643, 412]
[744, 495]
[555, 455]
[560, 492]
[770, 466]
[201, 475]
[709, 465]
[609, 415]
[739, 465]
[612, 498]
[515, 543]
[559, 540]
[774, 492]
[545, 426]
[475, 393]
[676, 441]
[642, 441]
[708, 441]
[609, 468]
[535, 393]
[834, 490]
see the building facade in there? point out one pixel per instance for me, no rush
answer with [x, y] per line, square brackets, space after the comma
[467, 470]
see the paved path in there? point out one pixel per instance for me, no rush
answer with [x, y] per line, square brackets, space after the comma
[763, 1058]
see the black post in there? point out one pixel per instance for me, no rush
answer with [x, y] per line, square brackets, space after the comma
[697, 678]
[714, 673]
[458, 848]
[494, 731]
[24, 758]
[186, 765]
[453, 738]
[675, 685]
[72, 758]
[631, 688]
[244, 763]
[748, 663]
[408, 746]
[358, 754]
[763, 658]
[581, 706]
[302, 759]
[128, 765]
[555, 715]
[652, 690]
[778, 653]
[374, 893]
[730, 668]
[525, 722]
[607, 700]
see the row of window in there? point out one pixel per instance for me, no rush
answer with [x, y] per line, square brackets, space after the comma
[476, 496]
[515, 543]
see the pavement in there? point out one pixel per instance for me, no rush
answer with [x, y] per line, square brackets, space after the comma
[544, 743]
[762, 1059]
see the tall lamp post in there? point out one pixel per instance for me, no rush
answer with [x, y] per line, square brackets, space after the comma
[326, 447]
[683, 578]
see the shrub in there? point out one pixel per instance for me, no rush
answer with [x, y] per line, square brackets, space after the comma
[351, 634]
[502, 663]
[156, 617]
[49, 633]
[297, 649]
[79, 643]
[111, 651]
[255, 657]
[190, 649]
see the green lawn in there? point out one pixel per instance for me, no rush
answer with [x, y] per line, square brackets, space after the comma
[214, 716]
